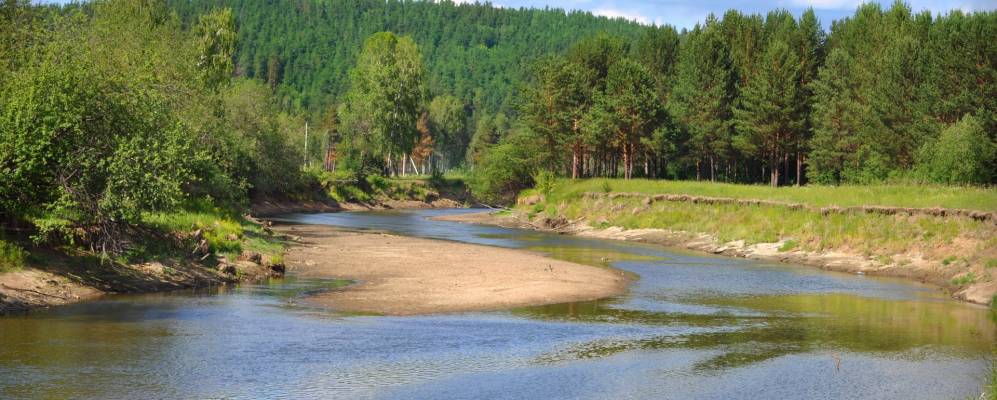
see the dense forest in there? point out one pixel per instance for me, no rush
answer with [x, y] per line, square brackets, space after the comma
[113, 109]
[475, 52]
[886, 94]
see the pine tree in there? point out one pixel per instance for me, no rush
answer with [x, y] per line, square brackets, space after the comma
[703, 94]
[768, 116]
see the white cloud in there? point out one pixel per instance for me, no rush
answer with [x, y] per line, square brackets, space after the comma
[828, 4]
[615, 13]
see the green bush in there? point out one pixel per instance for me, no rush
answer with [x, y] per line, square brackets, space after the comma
[505, 169]
[963, 154]
[545, 182]
[12, 256]
[966, 279]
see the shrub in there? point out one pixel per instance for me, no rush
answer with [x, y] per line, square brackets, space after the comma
[963, 154]
[545, 182]
[12, 256]
[966, 279]
[788, 245]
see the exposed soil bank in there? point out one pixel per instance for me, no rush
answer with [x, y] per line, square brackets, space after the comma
[64, 280]
[925, 271]
[400, 275]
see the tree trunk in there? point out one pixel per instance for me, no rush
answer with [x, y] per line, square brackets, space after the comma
[774, 166]
[575, 150]
[799, 169]
[713, 169]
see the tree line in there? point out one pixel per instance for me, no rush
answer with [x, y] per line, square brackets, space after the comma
[885, 95]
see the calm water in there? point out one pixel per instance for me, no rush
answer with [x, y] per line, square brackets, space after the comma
[693, 326]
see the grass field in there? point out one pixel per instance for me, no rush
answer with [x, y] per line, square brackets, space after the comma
[957, 248]
[982, 199]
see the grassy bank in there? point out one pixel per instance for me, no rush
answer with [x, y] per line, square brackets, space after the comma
[952, 251]
[191, 247]
[376, 190]
[983, 199]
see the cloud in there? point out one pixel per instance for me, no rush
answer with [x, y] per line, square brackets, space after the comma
[615, 13]
[828, 4]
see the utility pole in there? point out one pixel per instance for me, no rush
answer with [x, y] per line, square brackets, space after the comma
[306, 144]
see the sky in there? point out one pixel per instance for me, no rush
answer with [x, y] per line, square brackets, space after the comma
[686, 13]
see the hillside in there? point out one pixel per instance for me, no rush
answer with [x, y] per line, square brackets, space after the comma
[476, 52]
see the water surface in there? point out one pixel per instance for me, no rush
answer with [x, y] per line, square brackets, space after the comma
[692, 326]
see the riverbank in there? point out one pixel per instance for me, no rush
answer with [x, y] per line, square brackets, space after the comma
[169, 251]
[398, 275]
[954, 251]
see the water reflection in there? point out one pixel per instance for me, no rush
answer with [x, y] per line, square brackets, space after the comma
[791, 324]
[692, 326]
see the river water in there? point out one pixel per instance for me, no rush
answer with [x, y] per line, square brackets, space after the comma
[692, 327]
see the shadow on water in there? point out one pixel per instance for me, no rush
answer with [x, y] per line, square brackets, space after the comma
[787, 324]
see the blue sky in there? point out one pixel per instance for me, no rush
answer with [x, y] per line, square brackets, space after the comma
[686, 13]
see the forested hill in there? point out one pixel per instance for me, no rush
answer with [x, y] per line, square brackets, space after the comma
[479, 53]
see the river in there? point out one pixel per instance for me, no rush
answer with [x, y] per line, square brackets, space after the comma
[692, 326]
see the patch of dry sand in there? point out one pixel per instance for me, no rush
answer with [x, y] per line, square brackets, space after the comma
[400, 275]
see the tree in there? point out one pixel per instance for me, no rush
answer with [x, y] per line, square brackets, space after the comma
[629, 109]
[769, 116]
[216, 46]
[447, 125]
[381, 108]
[553, 106]
[703, 94]
[838, 113]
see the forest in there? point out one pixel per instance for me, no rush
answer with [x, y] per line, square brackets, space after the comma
[114, 109]
[885, 95]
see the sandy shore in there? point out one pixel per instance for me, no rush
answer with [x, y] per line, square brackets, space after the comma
[400, 275]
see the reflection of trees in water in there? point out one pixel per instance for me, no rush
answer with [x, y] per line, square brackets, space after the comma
[787, 325]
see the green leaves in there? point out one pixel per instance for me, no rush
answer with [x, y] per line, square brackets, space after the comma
[380, 112]
[963, 154]
[216, 36]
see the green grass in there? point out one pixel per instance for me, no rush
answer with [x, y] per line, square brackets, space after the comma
[966, 279]
[859, 233]
[227, 234]
[12, 256]
[789, 245]
[949, 260]
[984, 199]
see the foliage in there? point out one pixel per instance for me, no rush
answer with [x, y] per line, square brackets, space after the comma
[507, 168]
[447, 125]
[382, 106]
[12, 256]
[112, 110]
[477, 53]
[963, 154]
[545, 182]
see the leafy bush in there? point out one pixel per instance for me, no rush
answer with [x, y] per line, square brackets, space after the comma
[963, 154]
[507, 168]
[966, 279]
[12, 256]
[545, 182]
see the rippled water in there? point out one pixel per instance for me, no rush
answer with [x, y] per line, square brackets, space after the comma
[692, 326]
